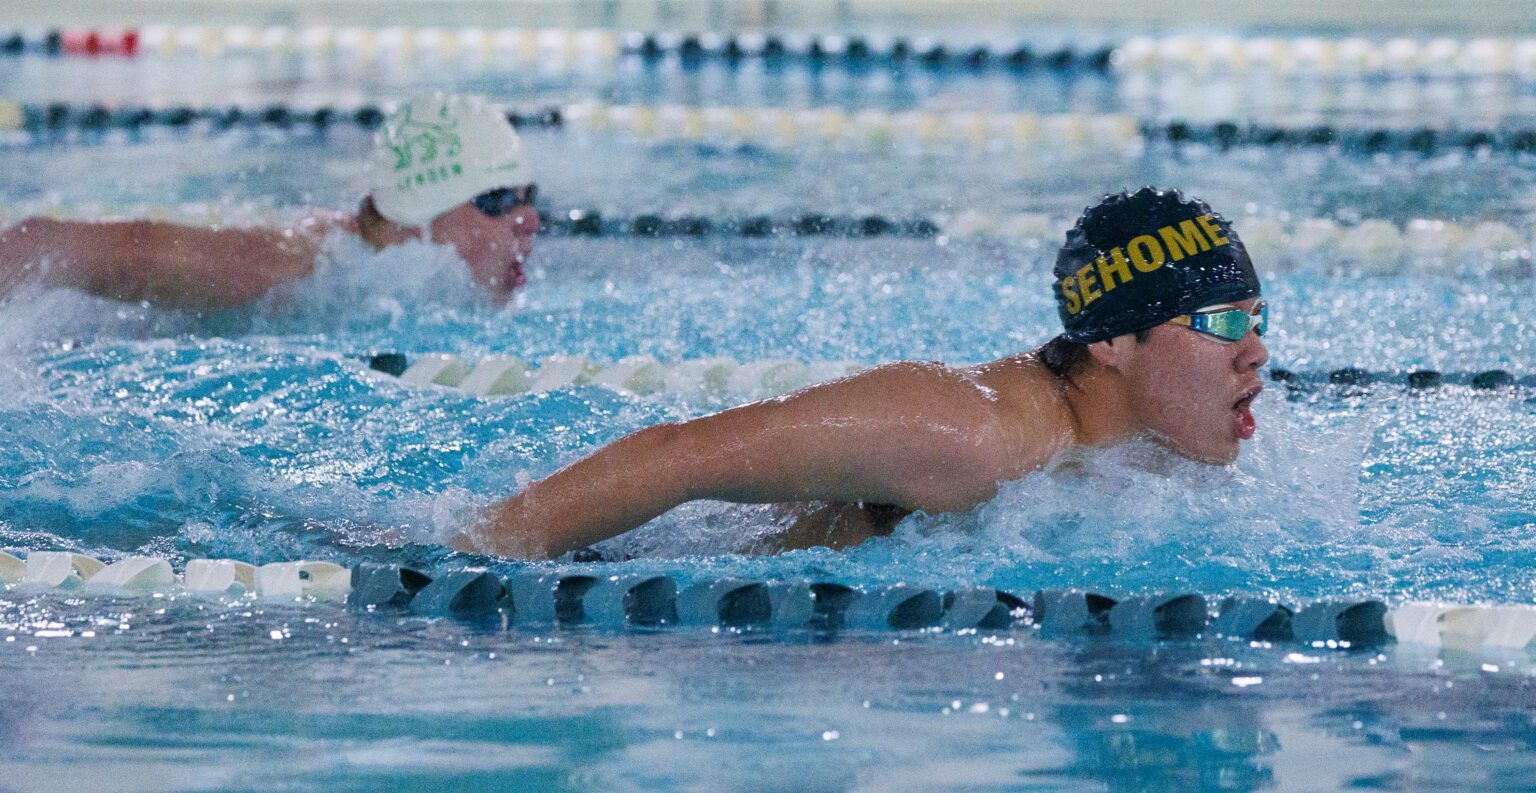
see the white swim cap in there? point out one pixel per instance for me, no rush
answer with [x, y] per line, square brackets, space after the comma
[437, 152]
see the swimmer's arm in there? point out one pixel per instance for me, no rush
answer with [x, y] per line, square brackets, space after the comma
[164, 263]
[916, 436]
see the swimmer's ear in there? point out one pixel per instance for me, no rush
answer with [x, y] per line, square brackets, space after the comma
[1113, 353]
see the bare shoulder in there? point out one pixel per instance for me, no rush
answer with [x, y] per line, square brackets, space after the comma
[928, 390]
[964, 429]
[921, 375]
[1009, 390]
[1033, 411]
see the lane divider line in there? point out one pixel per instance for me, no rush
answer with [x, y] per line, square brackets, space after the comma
[722, 378]
[1345, 56]
[542, 599]
[37, 124]
[1366, 247]
[713, 379]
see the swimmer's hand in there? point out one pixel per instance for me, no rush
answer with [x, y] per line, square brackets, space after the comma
[475, 536]
[463, 543]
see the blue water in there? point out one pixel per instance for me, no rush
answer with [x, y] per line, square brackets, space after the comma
[258, 434]
[254, 435]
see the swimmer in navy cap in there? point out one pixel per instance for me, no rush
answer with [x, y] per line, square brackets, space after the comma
[1162, 319]
[449, 169]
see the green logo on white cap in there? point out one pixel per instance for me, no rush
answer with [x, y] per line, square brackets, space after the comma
[425, 150]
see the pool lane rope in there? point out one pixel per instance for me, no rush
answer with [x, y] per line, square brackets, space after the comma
[713, 379]
[765, 126]
[787, 128]
[1367, 247]
[548, 47]
[723, 379]
[544, 599]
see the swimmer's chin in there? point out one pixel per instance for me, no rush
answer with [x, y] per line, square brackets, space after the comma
[1219, 458]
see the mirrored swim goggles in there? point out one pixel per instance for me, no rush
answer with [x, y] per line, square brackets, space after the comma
[1227, 324]
[500, 201]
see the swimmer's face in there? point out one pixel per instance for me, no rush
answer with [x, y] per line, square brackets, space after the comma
[495, 248]
[1192, 391]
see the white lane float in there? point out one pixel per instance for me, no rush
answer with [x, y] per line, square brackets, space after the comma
[292, 580]
[713, 379]
[58, 570]
[220, 577]
[134, 575]
[1463, 627]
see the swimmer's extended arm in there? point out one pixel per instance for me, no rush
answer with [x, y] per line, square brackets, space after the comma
[918, 436]
[164, 263]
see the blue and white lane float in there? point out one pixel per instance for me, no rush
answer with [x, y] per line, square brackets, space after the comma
[722, 378]
[553, 47]
[830, 128]
[1366, 247]
[764, 126]
[547, 599]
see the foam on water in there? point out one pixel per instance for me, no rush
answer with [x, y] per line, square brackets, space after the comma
[1136, 516]
[363, 288]
[1126, 518]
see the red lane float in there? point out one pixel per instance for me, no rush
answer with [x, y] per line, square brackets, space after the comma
[96, 43]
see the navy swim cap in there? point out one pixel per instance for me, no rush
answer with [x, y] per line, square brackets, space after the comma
[1137, 260]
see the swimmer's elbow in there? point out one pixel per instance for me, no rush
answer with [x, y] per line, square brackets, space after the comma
[664, 457]
[117, 261]
[687, 461]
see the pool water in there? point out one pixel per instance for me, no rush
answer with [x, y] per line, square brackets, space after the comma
[259, 434]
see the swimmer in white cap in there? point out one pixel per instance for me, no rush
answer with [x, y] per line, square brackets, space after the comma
[446, 168]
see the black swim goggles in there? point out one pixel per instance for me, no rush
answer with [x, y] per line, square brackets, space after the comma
[1227, 324]
[500, 201]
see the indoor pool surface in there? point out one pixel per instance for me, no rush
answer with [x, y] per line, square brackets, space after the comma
[261, 434]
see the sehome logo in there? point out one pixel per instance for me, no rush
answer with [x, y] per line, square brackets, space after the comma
[1144, 254]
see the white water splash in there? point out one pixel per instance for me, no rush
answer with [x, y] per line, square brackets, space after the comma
[1293, 486]
[356, 286]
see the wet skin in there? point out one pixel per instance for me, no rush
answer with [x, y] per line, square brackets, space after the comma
[178, 266]
[901, 437]
[1192, 391]
[1188, 390]
[495, 248]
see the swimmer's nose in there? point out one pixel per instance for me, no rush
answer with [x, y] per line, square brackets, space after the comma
[525, 220]
[1251, 353]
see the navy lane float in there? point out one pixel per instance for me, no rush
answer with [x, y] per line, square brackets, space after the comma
[543, 599]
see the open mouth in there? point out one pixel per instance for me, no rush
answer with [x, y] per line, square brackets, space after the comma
[515, 276]
[1242, 413]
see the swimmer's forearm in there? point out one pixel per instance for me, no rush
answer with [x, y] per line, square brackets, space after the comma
[102, 258]
[165, 263]
[48, 251]
[625, 484]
